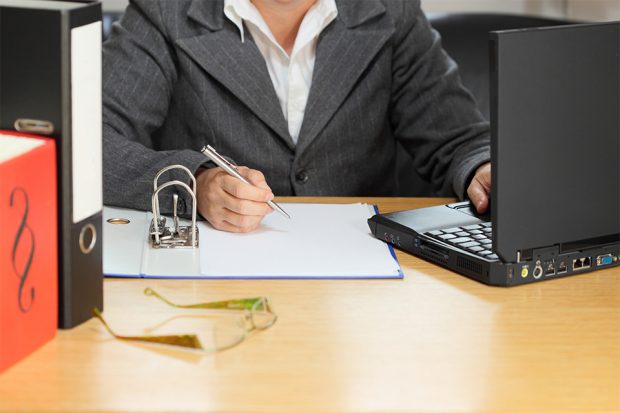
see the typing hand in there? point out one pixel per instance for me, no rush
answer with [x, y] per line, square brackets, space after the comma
[480, 188]
[230, 204]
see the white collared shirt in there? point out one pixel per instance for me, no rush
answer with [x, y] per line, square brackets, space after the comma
[291, 75]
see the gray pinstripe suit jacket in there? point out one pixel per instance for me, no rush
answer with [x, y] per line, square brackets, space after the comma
[177, 77]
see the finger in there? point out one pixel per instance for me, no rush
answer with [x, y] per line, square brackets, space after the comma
[243, 223]
[483, 175]
[478, 196]
[241, 190]
[244, 206]
[225, 226]
[255, 177]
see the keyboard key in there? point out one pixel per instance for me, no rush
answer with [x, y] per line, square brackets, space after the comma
[451, 230]
[475, 249]
[487, 230]
[462, 234]
[487, 224]
[492, 257]
[446, 237]
[479, 237]
[460, 240]
[469, 244]
[486, 241]
[476, 232]
[470, 227]
[485, 252]
[434, 233]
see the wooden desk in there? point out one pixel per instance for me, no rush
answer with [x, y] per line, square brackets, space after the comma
[434, 341]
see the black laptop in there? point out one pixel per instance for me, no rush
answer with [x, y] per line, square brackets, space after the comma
[555, 148]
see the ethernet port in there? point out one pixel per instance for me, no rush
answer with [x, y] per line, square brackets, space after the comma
[582, 263]
[577, 264]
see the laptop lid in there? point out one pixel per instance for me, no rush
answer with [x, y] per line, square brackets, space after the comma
[555, 116]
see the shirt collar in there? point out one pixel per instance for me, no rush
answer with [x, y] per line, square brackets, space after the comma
[239, 10]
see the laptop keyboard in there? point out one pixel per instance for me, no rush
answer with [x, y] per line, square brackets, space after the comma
[476, 238]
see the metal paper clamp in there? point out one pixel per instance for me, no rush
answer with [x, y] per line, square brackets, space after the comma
[42, 127]
[175, 236]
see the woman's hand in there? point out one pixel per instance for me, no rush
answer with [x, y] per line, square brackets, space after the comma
[479, 189]
[230, 204]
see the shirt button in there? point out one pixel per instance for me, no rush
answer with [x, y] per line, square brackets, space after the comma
[302, 176]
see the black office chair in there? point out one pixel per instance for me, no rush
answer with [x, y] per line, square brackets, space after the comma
[465, 37]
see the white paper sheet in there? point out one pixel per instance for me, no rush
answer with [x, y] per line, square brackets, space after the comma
[320, 241]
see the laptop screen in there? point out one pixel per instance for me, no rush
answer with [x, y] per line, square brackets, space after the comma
[555, 118]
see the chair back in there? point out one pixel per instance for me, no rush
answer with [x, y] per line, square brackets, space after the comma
[465, 37]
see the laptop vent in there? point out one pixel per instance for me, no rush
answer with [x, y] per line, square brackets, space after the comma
[469, 265]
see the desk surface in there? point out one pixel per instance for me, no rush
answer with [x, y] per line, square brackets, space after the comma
[434, 341]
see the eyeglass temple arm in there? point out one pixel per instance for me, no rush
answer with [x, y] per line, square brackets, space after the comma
[237, 304]
[180, 340]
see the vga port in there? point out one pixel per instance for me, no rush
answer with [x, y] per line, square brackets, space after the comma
[606, 259]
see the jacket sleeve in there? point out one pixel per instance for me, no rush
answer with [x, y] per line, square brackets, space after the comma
[432, 114]
[139, 73]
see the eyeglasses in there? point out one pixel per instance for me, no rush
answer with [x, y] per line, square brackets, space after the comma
[256, 314]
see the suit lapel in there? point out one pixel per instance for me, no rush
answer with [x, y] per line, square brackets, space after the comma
[344, 51]
[240, 67]
[343, 54]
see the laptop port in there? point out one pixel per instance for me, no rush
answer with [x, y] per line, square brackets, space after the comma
[538, 270]
[606, 259]
[562, 268]
[434, 252]
[577, 264]
[587, 262]
[525, 270]
[582, 263]
[550, 270]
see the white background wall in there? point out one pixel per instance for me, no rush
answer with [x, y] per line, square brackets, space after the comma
[553, 8]
[114, 4]
[596, 10]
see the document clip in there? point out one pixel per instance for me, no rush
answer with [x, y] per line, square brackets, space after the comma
[175, 236]
[42, 127]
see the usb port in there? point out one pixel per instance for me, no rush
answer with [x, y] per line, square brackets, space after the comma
[562, 268]
[550, 270]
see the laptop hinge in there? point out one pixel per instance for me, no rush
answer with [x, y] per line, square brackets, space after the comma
[530, 253]
[589, 243]
[567, 247]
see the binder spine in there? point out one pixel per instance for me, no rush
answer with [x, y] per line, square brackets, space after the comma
[81, 286]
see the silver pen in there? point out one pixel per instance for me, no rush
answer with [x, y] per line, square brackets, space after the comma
[223, 163]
